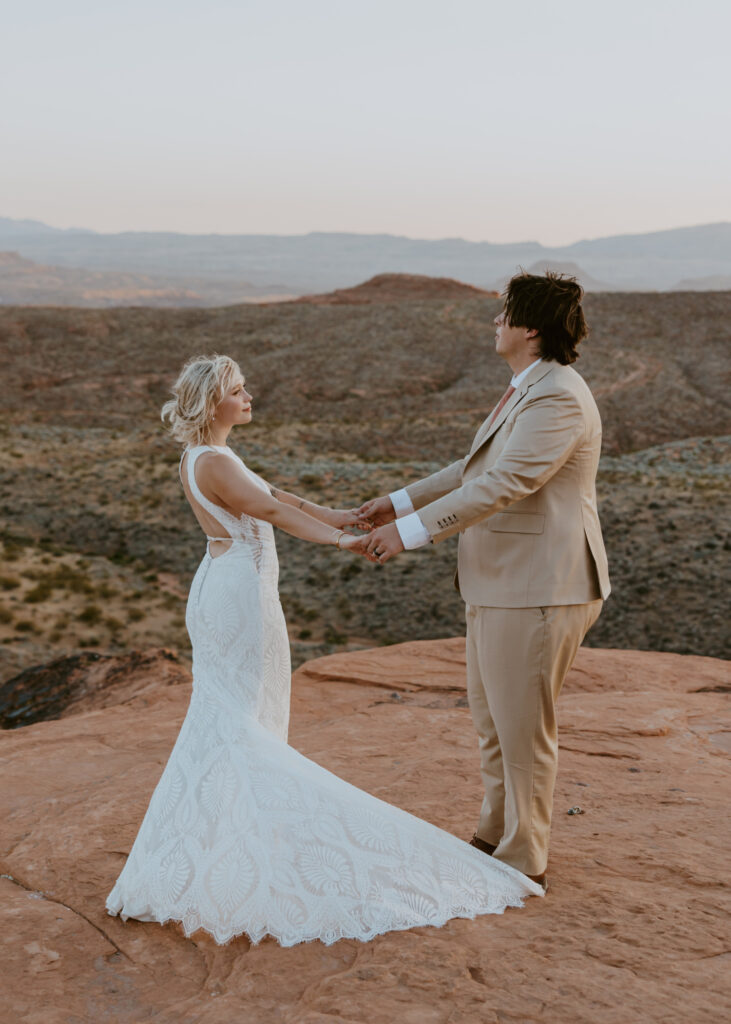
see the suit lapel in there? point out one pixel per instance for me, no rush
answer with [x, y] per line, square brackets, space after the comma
[485, 432]
[488, 429]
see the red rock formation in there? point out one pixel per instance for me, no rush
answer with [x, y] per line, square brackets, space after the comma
[396, 288]
[631, 930]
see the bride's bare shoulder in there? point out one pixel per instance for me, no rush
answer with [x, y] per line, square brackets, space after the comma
[215, 465]
[220, 474]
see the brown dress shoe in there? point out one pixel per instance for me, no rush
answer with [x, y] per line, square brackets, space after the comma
[480, 844]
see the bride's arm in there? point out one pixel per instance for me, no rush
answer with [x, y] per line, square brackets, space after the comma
[338, 517]
[234, 491]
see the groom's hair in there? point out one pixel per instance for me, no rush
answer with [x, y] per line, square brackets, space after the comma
[551, 305]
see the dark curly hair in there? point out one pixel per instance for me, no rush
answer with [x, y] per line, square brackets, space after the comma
[551, 305]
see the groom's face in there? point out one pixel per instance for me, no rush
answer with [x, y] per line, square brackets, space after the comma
[512, 341]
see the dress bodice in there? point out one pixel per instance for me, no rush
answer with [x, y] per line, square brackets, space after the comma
[245, 531]
[233, 525]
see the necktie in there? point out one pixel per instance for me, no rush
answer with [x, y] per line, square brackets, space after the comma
[500, 404]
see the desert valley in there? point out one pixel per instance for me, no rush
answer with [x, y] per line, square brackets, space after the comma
[353, 396]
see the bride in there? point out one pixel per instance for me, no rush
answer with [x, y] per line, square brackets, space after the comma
[243, 834]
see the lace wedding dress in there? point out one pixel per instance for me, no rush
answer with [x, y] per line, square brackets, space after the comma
[243, 834]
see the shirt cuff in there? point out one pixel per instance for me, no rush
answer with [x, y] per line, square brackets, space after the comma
[402, 504]
[412, 532]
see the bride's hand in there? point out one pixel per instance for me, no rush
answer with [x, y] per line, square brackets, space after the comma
[344, 517]
[349, 542]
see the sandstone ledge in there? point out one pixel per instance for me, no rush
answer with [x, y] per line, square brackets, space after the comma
[632, 929]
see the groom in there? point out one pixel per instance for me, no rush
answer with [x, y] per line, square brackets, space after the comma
[532, 568]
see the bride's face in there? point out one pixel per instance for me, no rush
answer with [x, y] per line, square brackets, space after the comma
[235, 406]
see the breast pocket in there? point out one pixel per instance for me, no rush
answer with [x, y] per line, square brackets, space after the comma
[516, 522]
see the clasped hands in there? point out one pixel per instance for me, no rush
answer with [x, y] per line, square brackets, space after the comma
[382, 539]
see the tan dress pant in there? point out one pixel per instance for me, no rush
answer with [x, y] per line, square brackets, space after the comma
[517, 660]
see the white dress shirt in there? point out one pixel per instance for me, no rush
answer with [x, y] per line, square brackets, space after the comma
[412, 531]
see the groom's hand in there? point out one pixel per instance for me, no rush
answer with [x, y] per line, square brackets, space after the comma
[376, 512]
[383, 543]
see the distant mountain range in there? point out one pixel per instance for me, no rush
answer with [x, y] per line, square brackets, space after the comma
[220, 269]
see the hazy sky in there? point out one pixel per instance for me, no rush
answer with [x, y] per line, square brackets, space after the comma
[507, 121]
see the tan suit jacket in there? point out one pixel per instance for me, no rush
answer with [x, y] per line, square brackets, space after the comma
[524, 499]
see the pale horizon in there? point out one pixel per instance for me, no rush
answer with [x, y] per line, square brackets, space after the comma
[482, 122]
[391, 234]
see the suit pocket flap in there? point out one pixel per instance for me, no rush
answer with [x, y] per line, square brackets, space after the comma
[516, 522]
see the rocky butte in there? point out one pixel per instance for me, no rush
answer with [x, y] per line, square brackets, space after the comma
[634, 928]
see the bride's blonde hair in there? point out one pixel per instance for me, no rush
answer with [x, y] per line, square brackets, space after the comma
[200, 386]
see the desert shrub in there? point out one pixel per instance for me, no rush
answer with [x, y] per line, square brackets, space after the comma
[135, 614]
[113, 624]
[332, 636]
[25, 626]
[6, 616]
[9, 582]
[304, 634]
[105, 590]
[41, 592]
[14, 540]
[65, 577]
[90, 614]
[120, 555]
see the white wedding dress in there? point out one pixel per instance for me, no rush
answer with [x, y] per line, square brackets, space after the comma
[243, 834]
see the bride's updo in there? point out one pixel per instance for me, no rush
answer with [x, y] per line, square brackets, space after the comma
[201, 385]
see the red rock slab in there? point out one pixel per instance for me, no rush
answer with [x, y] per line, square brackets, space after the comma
[633, 929]
[440, 665]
